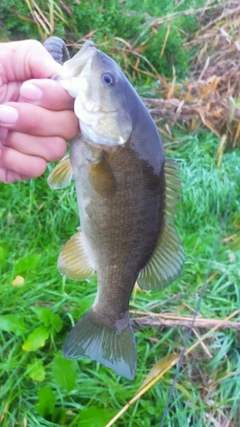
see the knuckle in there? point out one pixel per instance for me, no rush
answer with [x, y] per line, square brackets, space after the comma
[34, 44]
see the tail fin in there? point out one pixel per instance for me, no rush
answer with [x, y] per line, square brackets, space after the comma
[113, 347]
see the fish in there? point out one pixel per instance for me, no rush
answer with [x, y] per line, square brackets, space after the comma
[127, 194]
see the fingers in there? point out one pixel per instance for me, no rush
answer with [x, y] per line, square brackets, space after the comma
[24, 157]
[46, 93]
[38, 121]
[33, 129]
[8, 176]
[49, 148]
[14, 164]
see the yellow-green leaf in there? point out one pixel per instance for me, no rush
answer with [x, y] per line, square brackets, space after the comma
[36, 371]
[18, 281]
[36, 339]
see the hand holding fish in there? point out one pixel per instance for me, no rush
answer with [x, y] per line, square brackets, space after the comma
[36, 114]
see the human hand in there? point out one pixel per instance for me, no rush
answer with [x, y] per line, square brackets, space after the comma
[36, 115]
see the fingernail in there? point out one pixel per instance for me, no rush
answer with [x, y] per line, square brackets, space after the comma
[30, 92]
[8, 115]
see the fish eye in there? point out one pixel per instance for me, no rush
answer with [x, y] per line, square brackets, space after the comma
[109, 78]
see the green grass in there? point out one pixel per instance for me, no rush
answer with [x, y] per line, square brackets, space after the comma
[39, 387]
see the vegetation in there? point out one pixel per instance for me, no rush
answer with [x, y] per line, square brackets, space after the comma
[38, 306]
[131, 21]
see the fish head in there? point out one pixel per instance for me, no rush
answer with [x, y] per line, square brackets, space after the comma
[101, 103]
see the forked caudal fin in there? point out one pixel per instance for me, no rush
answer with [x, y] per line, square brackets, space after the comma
[113, 347]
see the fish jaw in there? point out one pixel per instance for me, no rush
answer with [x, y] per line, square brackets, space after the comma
[71, 69]
[97, 139]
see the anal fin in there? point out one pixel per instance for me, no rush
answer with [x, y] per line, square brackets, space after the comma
[61, 175]
[74, 261]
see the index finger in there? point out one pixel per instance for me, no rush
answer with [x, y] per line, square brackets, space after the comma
[38, 121]
[46, 93]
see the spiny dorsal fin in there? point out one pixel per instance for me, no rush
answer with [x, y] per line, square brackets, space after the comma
[74, 261]
[167, 259]
[102, 177]
[61, 175]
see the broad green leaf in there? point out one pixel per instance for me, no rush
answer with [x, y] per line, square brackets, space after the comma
[46, 401]
[49, 319]
[56, 322]
[36, 371]
[96, 417]
[43, 314]
[12, 323]
[24, 264]
[36, 339]
[64, 372]
[58, 416]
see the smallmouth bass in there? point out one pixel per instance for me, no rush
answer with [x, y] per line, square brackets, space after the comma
[127, 194]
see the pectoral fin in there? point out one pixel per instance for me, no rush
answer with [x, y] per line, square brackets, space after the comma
[167, 259]
[61, 175]
[74, 260]
[102, 177]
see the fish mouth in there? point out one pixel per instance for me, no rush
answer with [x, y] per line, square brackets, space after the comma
[75, 65]
[72, 69]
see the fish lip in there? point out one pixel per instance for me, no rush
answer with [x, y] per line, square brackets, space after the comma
[87, 44]
[76, 64]
[72, 69]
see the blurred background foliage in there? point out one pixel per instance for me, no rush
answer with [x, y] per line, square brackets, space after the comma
[132, 21]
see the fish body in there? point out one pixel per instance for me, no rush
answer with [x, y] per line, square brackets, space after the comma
[126, 192]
